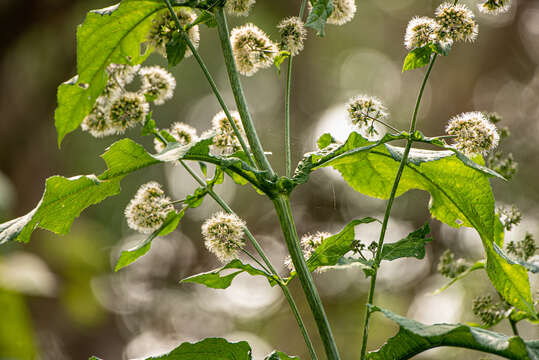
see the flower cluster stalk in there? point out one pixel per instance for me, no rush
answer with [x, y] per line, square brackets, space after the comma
[378, 256]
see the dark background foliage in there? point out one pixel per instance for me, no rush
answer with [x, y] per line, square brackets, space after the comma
[59, 296]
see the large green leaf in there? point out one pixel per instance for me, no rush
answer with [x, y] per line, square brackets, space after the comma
[211, 348]
[111, 35]
[460, 196]
[215, 280]
[414, 338]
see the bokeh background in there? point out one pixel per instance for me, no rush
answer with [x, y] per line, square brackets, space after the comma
[59, 297]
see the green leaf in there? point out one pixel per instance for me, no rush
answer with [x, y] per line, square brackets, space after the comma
[215, 280]
[480, 264]
[411, 246]
[460, 196]
[320, 12]
[532, 266]
[417, 58]
[211, 348]
[127, 257]
[278, 355]
[279, 59]
[335, 247]
[94, 358]
[110, 35]
[414, 338]
[325, 140]
[176, 49]
[205, 17]
[149, 127]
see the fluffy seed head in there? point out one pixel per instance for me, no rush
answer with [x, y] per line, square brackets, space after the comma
[365, 109]
[223, 235]
[474, 134]
[239, 7]
[97, 122]
[127, 109]
[164, 27]
[420, 32]
[309, 243]
[183, 133]
[293, 33]
[252, 49]
[457, 23]
[148, 209]
[494, 7]
[157, 84]
[226, 141]
[343, 11]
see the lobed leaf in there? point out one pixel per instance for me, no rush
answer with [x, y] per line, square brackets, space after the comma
[460, 196]
[320, 12]
[414, 337]
[215, 280]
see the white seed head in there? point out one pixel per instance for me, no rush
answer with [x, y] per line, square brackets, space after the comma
[293, 33]
[309, 243]
[223, 235]
[147, 211]
[420, 32]
[122, 74]
[365, 109]
[239, 7]
[127, 109]
[157, 84]
[474, 133]
[226, 142]
[164, 27]
[457, 23]
[252, 49]
[183, 133]
[97, 123]
[494, 7]
[343, 11]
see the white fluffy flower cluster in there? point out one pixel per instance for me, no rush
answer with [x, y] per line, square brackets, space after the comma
[164, 26]
[239, 7]
[293, 34]
[343, 11]
[474, 133]
[252, 49]
[223, 235]
[365, 109]
[119, 109]
[494, 7]
[148, 209]
[183, 134]
[309, 243]
[226, 142]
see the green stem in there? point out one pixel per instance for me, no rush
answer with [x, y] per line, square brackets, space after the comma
[239, 95]
[282, 207]
[265, 259]
[211, 82]
[378, 257]
[514, 327]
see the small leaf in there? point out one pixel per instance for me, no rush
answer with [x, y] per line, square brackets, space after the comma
[176, 49]
[320, 12]
[278, 355]
[279, 59]
[411, 246]
[215, 280]
[417, 58]
[414, 338]
[205, 17]
[325, 140]
[211, 348]
[127, 257]
[532, 266]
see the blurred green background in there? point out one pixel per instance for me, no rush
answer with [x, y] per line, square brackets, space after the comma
[59, 297]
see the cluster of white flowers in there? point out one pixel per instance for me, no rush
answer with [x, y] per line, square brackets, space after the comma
[451, 23]
[148, 209]
[118, 109]
[343, 11]
[252, 48]
[309, 243]
[365, 109]
[223, 235]
[494, 7]
[474, 133]
[293, 33]
[183, 134]
[164, 27]
[239, 7]
[226, 142]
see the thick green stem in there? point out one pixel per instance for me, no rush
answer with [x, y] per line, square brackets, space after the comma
[282, 207]
[211, 82]
[378, 256]
[265, 259]
[239, 95]
[514, 327]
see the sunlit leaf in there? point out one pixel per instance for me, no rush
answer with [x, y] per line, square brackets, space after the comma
[321, 10]
[411, 246]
